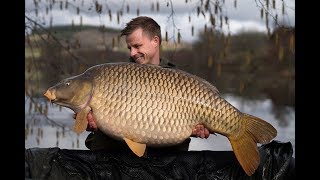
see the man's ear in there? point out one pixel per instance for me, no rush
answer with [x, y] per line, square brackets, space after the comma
[155, 41]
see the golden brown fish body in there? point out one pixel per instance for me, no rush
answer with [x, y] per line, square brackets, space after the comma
[155, 106]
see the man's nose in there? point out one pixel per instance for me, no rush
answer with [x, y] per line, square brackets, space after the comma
[133, 52]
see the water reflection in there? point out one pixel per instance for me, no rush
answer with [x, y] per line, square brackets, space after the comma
[55, 130]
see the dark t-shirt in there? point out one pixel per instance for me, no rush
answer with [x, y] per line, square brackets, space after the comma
[98, 140]
[163, 63]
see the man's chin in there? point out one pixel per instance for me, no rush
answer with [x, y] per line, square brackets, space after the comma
[140, 60]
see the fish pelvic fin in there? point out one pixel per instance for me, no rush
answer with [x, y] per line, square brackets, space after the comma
[81, 121]
[138, 148]
[255, 130]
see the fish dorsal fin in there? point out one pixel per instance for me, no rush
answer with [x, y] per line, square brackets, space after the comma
[135, 147]
[81, 122]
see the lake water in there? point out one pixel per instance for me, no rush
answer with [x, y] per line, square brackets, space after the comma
[55, 129]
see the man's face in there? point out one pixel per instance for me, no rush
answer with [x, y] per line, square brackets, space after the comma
[143, 49]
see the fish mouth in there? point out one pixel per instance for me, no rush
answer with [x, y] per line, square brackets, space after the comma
[50, 95]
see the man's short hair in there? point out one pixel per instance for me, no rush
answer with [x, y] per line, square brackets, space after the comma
[147, 24]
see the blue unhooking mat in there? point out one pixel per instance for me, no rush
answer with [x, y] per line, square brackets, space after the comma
[276, 162]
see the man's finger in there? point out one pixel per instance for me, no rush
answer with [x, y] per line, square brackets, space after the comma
[201, 127]
[202, 135]
[206, 133]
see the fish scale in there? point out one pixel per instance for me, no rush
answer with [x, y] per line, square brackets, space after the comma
[147, 105]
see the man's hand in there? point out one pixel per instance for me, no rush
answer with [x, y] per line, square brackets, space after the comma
[200, 131]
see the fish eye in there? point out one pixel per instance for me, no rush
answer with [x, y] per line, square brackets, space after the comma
[67, 83]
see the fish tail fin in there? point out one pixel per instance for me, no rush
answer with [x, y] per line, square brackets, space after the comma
[245, 145]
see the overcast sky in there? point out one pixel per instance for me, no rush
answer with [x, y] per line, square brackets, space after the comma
[245, 17]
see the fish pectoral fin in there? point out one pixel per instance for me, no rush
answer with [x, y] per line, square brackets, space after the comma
[81, 122]
[137, 148]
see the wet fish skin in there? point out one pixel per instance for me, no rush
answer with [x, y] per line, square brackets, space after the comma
[156, 106]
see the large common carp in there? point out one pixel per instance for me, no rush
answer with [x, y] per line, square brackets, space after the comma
[147, 105]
